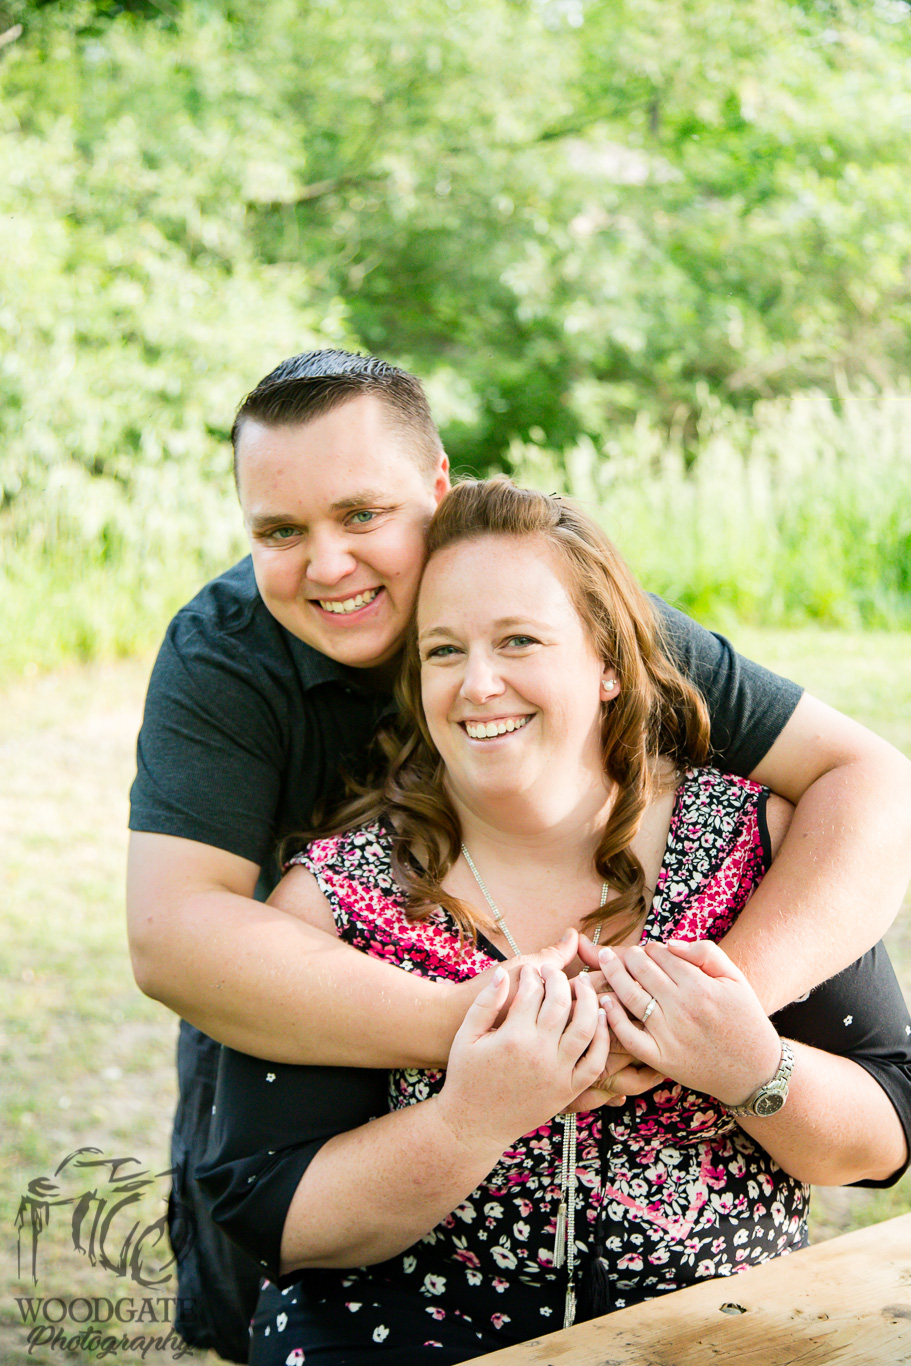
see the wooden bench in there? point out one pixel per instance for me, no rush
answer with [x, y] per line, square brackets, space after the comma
[846, 1301]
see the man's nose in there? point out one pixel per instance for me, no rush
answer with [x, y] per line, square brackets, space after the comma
[329, 559]
[481, 679]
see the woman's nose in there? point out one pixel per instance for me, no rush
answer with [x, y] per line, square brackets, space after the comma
[481, 679]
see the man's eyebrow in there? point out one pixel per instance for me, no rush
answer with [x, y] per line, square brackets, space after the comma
[265, 521]
[365, 498]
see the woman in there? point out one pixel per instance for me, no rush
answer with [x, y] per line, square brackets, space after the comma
[544, 785]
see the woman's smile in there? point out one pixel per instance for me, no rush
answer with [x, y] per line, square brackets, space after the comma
[494, 727]
[508, 671]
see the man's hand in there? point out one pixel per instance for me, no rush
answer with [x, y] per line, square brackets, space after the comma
[558, 956]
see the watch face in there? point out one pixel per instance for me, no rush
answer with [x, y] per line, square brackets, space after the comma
[769, 1104]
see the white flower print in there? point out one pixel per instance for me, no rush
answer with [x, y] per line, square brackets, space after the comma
[380, 1333]
[849, 1019]
[281, 1322]
[434, 1285]
[270, 1076]
[295, 1358]
[409, 1264]
[504, 1257]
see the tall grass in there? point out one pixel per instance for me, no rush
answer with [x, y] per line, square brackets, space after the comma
[799, 513]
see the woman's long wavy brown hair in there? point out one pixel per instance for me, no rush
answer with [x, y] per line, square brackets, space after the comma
[656, 713]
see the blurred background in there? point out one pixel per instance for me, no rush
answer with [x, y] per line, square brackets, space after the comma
[656, 254]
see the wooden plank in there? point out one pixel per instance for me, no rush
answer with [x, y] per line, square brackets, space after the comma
[846, 1301]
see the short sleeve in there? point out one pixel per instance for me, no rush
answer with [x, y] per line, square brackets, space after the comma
[210, 752]
[861, 1014]
[269, 1122]
[748, 705]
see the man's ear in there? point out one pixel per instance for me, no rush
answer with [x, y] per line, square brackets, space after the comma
[441, 481]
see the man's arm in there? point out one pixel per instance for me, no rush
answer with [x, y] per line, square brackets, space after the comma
[265, 982]
[838, 880]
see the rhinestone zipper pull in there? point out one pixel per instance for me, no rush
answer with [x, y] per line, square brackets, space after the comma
[569, 1314]
[560, 1237]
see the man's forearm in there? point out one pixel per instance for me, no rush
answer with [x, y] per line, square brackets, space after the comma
[267, 984]
[837, 881]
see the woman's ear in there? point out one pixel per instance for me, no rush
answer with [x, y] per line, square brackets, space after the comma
[609, 686]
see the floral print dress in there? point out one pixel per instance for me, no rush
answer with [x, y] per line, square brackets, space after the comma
[669, 1190]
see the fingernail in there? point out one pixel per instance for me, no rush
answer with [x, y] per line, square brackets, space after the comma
[498, 976]
[606, 953]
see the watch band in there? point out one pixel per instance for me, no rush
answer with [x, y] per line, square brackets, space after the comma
[768, 1099]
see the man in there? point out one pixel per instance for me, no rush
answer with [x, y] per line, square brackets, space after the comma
[272, 681]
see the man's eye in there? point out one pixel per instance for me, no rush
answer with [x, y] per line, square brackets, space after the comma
[361, 518]
[282, 533]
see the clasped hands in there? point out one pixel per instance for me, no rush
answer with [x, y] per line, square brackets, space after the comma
[707, 1029]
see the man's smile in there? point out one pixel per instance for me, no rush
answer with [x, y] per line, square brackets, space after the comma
[344, 606]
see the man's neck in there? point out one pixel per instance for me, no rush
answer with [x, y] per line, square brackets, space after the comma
[381, 678]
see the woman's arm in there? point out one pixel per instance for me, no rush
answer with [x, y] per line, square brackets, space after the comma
[418, 1164]
[374, 1190]
[708, 1032]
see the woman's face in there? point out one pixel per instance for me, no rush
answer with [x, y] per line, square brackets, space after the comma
[510, 681]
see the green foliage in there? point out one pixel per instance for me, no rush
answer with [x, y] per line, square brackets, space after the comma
[581, 222]
[797, 514]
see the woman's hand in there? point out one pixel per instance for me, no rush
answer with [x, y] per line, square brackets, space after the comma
[504, 1082]
[707, 1029]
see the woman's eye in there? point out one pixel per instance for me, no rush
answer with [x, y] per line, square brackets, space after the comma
[441, 652]
[521, 641]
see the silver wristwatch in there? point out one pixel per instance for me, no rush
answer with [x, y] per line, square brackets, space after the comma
[768, 1099]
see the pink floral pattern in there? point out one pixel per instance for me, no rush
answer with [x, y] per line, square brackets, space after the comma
[670, 1190]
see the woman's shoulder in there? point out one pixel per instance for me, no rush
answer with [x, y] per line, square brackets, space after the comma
[722, 798]
[363, 848]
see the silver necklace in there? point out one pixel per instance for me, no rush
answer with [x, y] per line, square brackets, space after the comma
[565, 1238]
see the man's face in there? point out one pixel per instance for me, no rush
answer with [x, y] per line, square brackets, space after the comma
[337, 511]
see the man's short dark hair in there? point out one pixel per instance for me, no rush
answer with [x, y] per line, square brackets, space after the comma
[306, 387]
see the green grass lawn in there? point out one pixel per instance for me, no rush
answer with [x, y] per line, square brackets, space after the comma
[87, 1061]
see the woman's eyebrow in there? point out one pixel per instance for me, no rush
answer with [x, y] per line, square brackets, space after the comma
[501, 624]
